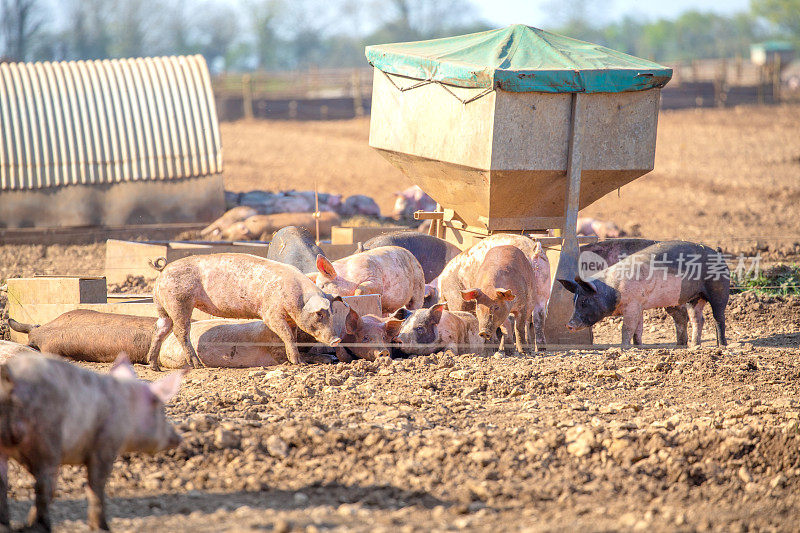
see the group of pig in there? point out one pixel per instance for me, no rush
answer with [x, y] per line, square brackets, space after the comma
[433, 296]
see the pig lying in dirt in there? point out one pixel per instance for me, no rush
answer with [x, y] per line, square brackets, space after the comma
[86, 335]
[432, 252]
[236, 285]
[460, 275]
[668, 275]
[56, 413]
[390, 271]
[427, 331]
[231, 217]
[295, 246]
[602, 229]
[411, 200]
[504, 286]
[359, 204]
[227, 343]
[367, 337]
[261, 227]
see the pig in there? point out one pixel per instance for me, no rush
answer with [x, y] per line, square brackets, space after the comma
[427, 331]
[86, 335]
[460, 274]
[411, 200]
[57, 413]
[600, 228]
[432, 252]
[667, 274]
[611, 252]
[505, 286]
[390, 271]
[295, 246]
[233, 285]
[367, 337]
[231, 217]
[359, 204]
[228, 343]
[261, 227]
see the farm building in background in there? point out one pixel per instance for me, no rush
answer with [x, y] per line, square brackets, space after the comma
[111, 142]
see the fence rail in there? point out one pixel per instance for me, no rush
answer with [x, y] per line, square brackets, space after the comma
[320, 94]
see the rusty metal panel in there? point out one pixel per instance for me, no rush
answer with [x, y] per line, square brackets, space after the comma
[106, 121]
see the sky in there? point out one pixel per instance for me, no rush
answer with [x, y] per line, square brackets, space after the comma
[534, 12]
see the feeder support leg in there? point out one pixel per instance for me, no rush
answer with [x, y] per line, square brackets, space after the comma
[568, 262]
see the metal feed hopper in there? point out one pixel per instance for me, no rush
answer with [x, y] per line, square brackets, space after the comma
[514, 129]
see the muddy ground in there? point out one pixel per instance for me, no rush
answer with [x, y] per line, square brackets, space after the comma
[656, 439]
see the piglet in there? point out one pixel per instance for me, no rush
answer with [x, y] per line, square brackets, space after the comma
[505, 286]
[390, 271]
[367, 337]
[427, 331]
[53, 413]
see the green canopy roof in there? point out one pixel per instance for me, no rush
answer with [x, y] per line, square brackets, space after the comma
[520, 58]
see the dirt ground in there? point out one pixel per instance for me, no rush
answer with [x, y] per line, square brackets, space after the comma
[654, 439]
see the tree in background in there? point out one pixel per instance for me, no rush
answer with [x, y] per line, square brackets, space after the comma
[265, 20]
[20, 26]
[783, 13]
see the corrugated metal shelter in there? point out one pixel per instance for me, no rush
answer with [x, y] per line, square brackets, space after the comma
[108, 142]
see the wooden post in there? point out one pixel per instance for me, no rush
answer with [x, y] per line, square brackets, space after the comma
[247, 96]
[776, 78]
[738, 63]
[358, 105]
[760, 90]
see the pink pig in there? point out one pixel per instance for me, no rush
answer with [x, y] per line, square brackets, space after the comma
[390, 271]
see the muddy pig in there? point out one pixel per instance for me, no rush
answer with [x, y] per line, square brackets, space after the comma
[432, 252]
[86, 335]
[229, 343]
[427, 331]
[665, 275]
[367, 337]
[390, 271]
[295, 246]
[505, 286]
[459, 275]
[239, 286]
[261, 227]
[55, 413]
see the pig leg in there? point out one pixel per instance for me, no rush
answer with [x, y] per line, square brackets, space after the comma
[697, 320]
[160, 332]
[520, 327]
[681, 318]
[529, 340]
[718, 310]
[44, 488]
[182, 327]
[283, 330]
[631, 318]
[5, 519]
[98, 469]
[637, 335]
[538, 327]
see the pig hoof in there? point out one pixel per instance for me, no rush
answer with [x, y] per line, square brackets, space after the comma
[196, 362]
[155, 367]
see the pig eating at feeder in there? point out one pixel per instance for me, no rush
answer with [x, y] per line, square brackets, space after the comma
[234, 285]
[666, 275]
[427, 331]
[504, 286]
[56, 413]
[390, 271]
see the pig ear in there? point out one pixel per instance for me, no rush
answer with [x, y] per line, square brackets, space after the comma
[436, 312]
[351, 322]
[585, 285]
[505, 294]
[166, 388]
[325, 267]
[571, 286]
[537, 250]
[312, 276]
[401, 314]
[470, 294]
[393, 326]
[122, 369]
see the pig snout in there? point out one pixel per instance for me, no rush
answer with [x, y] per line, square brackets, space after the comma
[575, 325]
[485, 335]
[335, 341]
